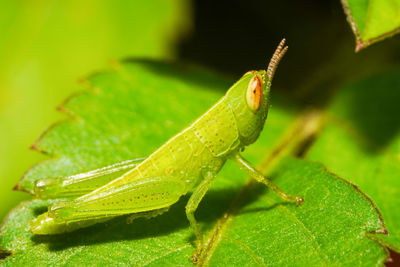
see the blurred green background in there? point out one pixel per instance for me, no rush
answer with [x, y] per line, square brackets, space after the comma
[46, 46]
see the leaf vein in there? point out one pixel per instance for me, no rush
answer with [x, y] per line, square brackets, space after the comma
[165, 254]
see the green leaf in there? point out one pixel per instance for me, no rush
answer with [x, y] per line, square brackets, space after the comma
[361, 143]
[131, 111]
[372, 21]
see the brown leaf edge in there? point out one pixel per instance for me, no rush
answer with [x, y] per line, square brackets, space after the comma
[88, 88]
[361, 44]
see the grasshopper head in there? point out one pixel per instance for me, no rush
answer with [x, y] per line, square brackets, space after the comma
[249, 98]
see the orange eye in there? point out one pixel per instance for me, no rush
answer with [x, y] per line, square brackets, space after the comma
[254, 93]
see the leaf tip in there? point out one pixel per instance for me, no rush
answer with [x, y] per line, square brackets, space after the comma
[16, 187]
[361, 45]
[382, 231]
[33, 147]
[385, 232]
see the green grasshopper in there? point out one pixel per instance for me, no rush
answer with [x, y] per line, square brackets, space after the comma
[189, 160]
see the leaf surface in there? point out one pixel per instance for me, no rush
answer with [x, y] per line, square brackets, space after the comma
[372, 21]
[361, 143]
[131, 111]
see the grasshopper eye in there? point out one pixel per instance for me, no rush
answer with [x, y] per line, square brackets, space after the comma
[254, 93]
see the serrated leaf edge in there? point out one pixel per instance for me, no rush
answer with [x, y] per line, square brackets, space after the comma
[361, 44]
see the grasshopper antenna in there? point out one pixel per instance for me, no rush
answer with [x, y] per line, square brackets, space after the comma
[273, 64]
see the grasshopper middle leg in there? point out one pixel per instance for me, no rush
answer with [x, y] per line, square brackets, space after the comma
[191, 207]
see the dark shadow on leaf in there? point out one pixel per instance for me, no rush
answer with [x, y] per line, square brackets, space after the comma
[266, 208]
[372, 106]
[39, 210]
[186, 73]
[4, 254]
[252, 194]
[255, 192]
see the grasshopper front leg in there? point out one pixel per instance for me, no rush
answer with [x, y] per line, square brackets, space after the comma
[191, 207]
[259, 177]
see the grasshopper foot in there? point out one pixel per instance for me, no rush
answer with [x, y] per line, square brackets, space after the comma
[299, 200]
[197, 254]
[195, 257]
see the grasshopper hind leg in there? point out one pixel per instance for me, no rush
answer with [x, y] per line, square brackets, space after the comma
[144, 197]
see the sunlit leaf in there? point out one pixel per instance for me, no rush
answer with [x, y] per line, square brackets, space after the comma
[372, 21]
[132, 110]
